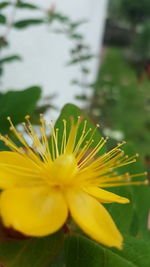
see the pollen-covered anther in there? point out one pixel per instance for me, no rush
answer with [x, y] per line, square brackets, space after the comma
[27, 117]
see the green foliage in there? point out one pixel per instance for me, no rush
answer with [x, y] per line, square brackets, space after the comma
[35, 252]
[4, 4]
[2, 19]
[9, 59]
[21, 4]
[82, 58]
[119, 94]
[27, 22]
[80, 251]
[135, 11]
[17, 104]
[141, 45]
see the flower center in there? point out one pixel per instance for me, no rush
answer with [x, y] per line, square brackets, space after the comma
[62, 171]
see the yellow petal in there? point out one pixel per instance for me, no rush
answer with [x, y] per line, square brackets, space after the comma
[36, 211]
[94, 219]
[105, 196]
[16, 170]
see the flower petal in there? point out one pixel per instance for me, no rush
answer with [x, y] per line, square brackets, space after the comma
[36, 211]
[94, 219]
[105, 196]
[16, 170]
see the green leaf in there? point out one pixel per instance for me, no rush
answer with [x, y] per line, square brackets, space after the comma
[80, 59]
[27, 22]
[137, 210]
[3, 42]
[121, 211]
[26, 5]
[136, 250]
[17, 104]
[70, 110]
[2, 19]
[35, 252]
[9, 59]
[4, 4]
[81, 251]
[140, 196]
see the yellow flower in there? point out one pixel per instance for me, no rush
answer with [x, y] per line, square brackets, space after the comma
[56, 178]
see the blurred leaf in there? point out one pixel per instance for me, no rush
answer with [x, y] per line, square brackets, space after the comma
[2, 19]
[121, 211]
[1, 70]
[35, 252]
[85, 70]
[136, 250]
[81, 251]
[58, 17]
[4, 4]
[17, 104]
[3, 42]
[82, 97]
[40, 110]
[70, 110]
[75, 82]
[140, 196]
[75, 25]
[76, 36]
[9, 59]
[80, 58]
[23, 5]
[27, 22]
[137, 210]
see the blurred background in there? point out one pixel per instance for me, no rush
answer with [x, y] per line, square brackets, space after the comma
[95, 54]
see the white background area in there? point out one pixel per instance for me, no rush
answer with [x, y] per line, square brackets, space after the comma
[45, 54]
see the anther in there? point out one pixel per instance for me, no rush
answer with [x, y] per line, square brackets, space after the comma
[27, 117]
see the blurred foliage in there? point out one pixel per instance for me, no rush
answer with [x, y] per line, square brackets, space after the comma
[133, 12]
[121, 102]
[57, 23]
[128, 26]
[121, 98]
